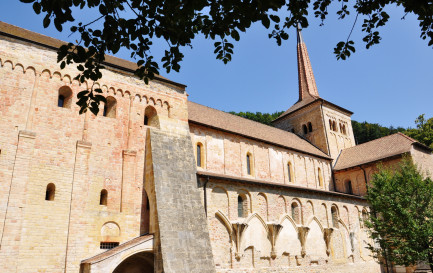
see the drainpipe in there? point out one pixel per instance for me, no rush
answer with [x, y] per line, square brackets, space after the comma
[205, 194]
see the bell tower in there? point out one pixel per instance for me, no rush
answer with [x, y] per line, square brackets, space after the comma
[322, 123]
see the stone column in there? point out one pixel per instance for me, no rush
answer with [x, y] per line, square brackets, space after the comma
[16, 202]
[238, 231]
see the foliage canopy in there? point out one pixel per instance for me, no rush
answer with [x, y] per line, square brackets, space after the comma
[134, 24]
[401, 215]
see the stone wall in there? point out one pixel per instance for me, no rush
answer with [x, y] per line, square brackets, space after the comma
[225, 153]
[252, 249]
[81, 155]
[182, 230]
[310, 114]
[337, 139]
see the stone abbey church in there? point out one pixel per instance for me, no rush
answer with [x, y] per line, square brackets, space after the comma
[156, 183]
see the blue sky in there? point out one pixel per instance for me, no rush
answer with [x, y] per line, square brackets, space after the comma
[389, 84]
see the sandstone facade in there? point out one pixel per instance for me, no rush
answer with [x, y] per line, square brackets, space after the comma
[160, 184]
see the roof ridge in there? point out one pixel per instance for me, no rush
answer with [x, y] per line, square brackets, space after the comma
[377, 139]
[249, 120]
[408, 137]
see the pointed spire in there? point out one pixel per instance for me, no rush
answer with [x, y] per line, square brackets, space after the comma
[307, 83]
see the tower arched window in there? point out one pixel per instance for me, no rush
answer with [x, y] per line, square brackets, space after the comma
[64, 99]
[320, 177]
[334, 214]
[334, 126]
[50, 192]
[310, 127]
[103, 197]
[151, 117]
[330, 124]
[199, 155]
[110, 107]
[249, 162]
[296, 213]
[349, 188]
[290, 171]
[304, 129]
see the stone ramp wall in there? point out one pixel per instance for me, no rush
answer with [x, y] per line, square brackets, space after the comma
[182, 227]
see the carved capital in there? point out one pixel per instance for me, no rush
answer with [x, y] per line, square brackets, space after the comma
[238, 229]
[352, 241]
[274, 230]
[302, 235]
[327, 232]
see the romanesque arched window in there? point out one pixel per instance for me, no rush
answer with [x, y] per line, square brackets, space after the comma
[242, 206]
[304, 129]
[50, 192]
[296, 213]
[110, 107]
[334, 214]
[330, 124]
[320, 177]
[199, 155]
[334, 126]
[249, 162]
[290, 171]
[103, 197]
[349, 188]
[64, 98]
[310, 127]
[151, 117]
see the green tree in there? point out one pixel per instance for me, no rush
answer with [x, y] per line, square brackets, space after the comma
[364, 131]
[135, 24]
[424, 131]
[265, 118]
[401, 215]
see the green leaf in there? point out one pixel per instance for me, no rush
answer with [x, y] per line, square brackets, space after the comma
[46, 21]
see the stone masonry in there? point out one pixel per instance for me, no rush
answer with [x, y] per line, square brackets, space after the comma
[182, 227]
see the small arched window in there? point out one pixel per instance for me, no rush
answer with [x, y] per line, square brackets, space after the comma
[296, 213]
[334, 126]
[304, 129]
[50, 192]
[349, 188]
[199, 154]
[64, 99]
[110, 107]
[151, 117]
[320, 177]
[330, 124]
[240, 206]
[103, 197]
[290, 171]
[310, 127]
[334, 214]
[344, 129]
[249, 164]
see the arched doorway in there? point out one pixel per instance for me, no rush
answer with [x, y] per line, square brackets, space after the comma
[141, 262]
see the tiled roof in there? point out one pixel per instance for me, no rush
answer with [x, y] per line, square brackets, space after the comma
[298, 105]
[374, 150]
[220, 120]
[52, 43]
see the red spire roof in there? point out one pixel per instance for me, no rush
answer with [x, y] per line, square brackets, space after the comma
[307, 83]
